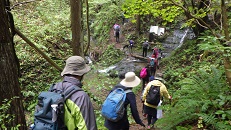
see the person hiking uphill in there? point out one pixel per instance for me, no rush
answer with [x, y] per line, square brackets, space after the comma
[145, 48]
[130, 81]
[131, 44]
[150, 108]
[151, 78]
[116, 28]
[79, 112]
[153, 65]
[157, 55]
[146, 77]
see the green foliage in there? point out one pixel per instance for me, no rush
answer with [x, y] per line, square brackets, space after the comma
[159, 9]
[5, 117]
[100, 120]
[199, 89]
[109, 55]
[47, 21]
[184, 63]
[104, 14]
[198, 97]
[213, 44]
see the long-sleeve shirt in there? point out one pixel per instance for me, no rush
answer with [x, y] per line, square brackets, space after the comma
[163, 91]
[123, 123]
[79, 111]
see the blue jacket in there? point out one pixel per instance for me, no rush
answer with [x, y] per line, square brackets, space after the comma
[124, 123]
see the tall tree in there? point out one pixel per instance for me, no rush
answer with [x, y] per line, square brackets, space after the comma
[138, 24]
[227, 59]
[9, 83]
[76, 27]
[88, 28]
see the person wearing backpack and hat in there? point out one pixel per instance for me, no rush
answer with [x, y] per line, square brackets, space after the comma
[128, 83]
[149, 109]
[79, 111]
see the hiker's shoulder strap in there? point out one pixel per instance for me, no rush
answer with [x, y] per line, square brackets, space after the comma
[128, 91]
[72, 89]
[53, 89]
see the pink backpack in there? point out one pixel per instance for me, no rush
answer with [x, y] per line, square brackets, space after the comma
[143, 73]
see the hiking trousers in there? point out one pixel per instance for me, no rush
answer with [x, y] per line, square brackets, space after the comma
[145, 50]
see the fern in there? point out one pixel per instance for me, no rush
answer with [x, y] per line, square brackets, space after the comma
[199, 97]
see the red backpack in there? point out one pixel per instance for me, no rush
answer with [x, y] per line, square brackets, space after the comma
[143, 73]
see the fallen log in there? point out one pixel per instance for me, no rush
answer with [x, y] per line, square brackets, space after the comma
[140, 57]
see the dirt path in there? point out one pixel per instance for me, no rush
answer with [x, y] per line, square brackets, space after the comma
[133, 126]
[139, 108]
[121, 39]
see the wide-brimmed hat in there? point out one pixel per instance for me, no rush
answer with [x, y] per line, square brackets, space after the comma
[130, 80]
[75, 65]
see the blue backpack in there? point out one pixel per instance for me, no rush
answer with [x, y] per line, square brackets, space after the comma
[49, 112]
[113, 107]
[152, 62]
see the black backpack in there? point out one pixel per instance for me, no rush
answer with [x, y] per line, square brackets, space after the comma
[46, 117]
[153, 96]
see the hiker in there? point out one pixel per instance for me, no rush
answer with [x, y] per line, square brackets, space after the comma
[145, 78]
[116, 28]
[82, 115]
[160, 54]
[157, 55]
[151, 78]
[155, 52]
[145, 48]
[131, 44]
[149, 109]
[152, 64]
[130, 81]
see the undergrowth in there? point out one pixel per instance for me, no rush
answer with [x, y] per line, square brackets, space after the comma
[204, 96]
[201, 96]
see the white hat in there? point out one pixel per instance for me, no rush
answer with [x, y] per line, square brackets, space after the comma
[75, 65]
[130, 80]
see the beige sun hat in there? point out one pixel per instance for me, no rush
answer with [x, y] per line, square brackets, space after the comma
[75, 65]
[130, 80]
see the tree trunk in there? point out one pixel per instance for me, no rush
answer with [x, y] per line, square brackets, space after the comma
[9, 83]
[226, 52]
[76, 27]
[138, 24]
[88, 29]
